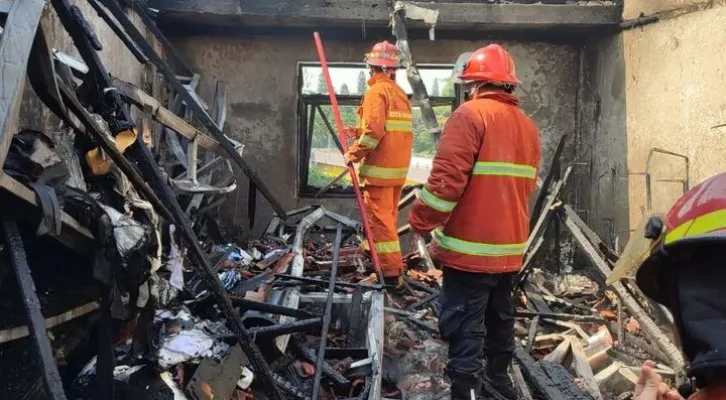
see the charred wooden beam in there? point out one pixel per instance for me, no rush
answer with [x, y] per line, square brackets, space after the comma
[547, 380]
[123, 36]
[36, 322]
[73, 234]
[20, 332]
[16, 41]
[166, 117]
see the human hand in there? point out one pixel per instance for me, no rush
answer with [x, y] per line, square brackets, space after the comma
[349, 159]
[650, 385]
[350, 132]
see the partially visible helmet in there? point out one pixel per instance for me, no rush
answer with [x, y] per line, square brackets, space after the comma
[491, 64]
[697, 219]
[383, 54]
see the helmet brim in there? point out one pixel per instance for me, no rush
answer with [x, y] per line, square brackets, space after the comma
[650, 273]
[383, 63]
[459, 67]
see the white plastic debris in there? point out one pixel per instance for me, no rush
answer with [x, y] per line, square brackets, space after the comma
[185, 346]
[175, 263]
[256, 254]
[167, 378]
[124, 372]
[245, 380]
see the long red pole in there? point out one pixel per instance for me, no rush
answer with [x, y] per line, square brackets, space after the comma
[351, 170]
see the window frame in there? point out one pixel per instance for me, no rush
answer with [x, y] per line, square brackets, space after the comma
[308, 105]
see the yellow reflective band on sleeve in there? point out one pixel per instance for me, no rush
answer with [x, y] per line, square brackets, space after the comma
[368, 142]
[399, 125]
[435, 202]
[383, 172]
[504, 169]
[478, 249]
[706, 223]
[388, 247]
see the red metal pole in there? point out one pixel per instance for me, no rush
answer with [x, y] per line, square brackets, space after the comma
[351, 170]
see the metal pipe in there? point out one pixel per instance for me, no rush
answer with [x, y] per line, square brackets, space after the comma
[271, 308]
[317, 281]
[327, 314]
[286, 329]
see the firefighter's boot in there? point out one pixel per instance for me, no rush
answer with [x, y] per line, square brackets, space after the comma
[497, 377]
[464, 386]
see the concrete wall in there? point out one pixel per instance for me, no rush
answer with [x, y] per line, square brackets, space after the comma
[261, 77]
[117, 59]
[656, 87]
[604, 140]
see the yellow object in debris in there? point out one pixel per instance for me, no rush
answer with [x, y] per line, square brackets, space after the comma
[99, 163]
[635, 252]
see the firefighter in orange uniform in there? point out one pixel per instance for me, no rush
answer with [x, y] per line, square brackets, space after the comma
[383, 149]
[476, 203]
[683, 269]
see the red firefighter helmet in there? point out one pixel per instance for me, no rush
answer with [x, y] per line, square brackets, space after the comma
[490, 64]
[383, 54]
[698, 218]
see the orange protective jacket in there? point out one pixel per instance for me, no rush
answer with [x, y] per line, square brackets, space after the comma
[483, 175]
[385, 135]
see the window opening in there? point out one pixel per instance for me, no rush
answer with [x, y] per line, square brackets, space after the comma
[320, 160]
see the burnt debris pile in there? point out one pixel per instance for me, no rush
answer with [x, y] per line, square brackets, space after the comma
[576, 336]
[135, 292]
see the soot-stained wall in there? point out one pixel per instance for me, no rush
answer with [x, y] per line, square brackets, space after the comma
[260, 73]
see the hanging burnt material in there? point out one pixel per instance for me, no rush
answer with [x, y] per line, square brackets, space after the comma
[420, 95]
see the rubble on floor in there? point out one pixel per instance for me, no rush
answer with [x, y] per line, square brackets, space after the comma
[576, 337]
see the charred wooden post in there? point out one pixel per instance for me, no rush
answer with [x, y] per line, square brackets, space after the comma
[36, 322]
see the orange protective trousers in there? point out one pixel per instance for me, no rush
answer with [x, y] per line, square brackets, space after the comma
[381, 202]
